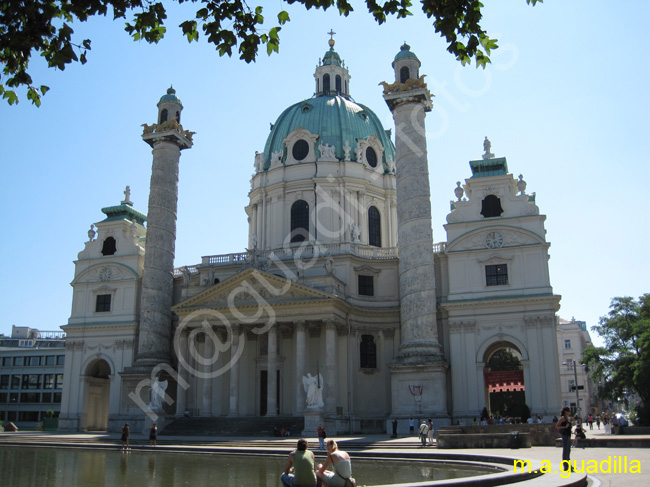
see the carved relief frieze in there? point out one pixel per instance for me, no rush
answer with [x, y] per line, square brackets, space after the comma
[74, 345]
[539, 320]
[458, 326]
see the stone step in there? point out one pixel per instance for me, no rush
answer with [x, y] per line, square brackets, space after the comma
[223, 426]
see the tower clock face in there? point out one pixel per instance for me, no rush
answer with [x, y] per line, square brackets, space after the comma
[494, 240]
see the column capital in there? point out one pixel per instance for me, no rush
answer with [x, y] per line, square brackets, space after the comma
[401, 95]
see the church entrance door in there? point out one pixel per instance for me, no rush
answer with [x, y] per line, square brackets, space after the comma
[97, 396]
[504, 383]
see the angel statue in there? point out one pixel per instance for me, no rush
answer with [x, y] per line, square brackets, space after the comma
[158, 389]
[314, 390]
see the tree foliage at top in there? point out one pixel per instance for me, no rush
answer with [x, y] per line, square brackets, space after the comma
[504, 359]
[623, 364]
[44, 27]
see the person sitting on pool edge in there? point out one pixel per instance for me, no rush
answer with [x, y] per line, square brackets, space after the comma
[299, 470]
[341, 464]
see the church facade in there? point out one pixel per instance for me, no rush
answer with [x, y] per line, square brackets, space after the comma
[341, 285]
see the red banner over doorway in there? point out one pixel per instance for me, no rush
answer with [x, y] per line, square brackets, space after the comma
[504, 380]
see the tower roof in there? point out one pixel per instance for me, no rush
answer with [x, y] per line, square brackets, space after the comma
[405, 52]
[125, 211]
[170, 96]
[489, 167]
[331, 57]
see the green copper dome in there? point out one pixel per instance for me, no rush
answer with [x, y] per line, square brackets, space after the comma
[405, 51]
[331, 57]
[336, 120]
[170, 96]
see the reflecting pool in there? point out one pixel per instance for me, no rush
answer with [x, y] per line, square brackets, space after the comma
[60, 467]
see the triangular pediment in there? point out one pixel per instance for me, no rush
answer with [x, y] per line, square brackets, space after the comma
[252, 287]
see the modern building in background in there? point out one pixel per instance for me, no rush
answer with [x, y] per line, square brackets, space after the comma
[31, 375]
[578, 390]
[325, 312]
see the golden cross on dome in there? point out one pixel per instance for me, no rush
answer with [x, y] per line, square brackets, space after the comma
[331, 41]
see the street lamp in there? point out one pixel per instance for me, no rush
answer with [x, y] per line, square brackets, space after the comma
[575, 383]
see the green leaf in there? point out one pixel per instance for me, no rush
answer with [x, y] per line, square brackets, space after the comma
[283, 17]
[11, 97]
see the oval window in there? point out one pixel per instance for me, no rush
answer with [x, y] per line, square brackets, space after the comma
[300, 150]
[371, 157]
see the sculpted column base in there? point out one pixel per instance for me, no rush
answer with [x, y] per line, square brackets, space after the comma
[420, 390]
[313, 418]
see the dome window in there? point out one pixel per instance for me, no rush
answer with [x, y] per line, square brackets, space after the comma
[374, 227]
[404, 74]
[491, 207]
[326, 83]
[371, 157]
[178, 117]
[300, 149]
[338, 84]
[299, 221]
[163, 116]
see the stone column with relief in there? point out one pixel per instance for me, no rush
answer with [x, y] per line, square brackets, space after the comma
[420, 367]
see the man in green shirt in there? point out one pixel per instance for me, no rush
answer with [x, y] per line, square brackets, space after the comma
[299, 470]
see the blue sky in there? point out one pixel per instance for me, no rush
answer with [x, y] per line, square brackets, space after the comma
[565, 101]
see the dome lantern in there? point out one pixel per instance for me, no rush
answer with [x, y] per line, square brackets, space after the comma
[332, 77]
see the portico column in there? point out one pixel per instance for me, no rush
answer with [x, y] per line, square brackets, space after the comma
[271, 376]
[301, 344]
[181, 394]
[331, 371]
[208, 353]
[234, 373]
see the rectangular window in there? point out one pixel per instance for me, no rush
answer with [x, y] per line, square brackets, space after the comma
[496, 275]
[103, 303]
[3, 397]
[48, 381]
[4, 382]
[34, 361]
[60, 359]
[34, 381]
[50, 360]
[13, 397]
[28, 416]
[18, 361]
[30, 397]
[567, 344]
[6, 361]
[572, 385]
[15, 382]
[25, 382]
[366, 286]
[47, 397]
[58, 381]
[56, 397]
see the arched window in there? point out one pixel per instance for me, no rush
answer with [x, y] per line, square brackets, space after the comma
[491, 206]
[374, 227]
[109, 246]
[299, 221]
[368, 352]
[404, 74]
[178, 117]
[326, 83]
[338, 84]
[317, 85]
[163, 116]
